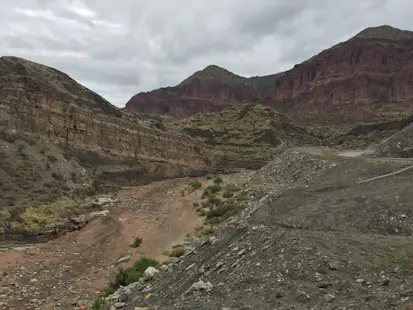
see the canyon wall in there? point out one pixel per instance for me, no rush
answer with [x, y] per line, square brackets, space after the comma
[37, 99]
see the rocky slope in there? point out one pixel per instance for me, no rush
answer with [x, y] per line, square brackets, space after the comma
[248, 135]
[398, 145]
[355, 81]
[319, 233]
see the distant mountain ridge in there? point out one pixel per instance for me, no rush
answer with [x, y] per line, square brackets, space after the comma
[368, 76]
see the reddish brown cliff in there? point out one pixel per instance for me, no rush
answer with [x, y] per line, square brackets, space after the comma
[358, 80]
[355, 81]
[209, 90]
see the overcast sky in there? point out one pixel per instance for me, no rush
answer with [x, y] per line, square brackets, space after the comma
[121, 47]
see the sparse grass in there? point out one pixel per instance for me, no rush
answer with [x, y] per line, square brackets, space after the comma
[207, 230]
[218, 180]
[401, 259]
[212, 189]
[136, 243]
[227, 194]
[195, 185]
[214, 201]
[99, 302]
[176, 251]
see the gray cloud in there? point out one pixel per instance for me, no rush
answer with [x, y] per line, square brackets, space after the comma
[123, 47]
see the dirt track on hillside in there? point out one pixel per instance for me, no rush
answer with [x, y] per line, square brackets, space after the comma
[67, 272]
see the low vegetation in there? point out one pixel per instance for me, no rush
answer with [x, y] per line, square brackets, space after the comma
[136, 243]
[227, 194]
[126, 276]
[99, 302]
[218, 180]
[212, 189]
[35, 219]
[176, 251]
[401, 259]
[222, 212]
[195, 185]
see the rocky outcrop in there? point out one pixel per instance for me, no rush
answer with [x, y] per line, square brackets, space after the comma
[42, 100]
[355, 81]
[208, 90]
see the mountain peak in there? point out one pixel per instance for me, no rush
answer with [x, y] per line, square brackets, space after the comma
[217, 73]
[384, 32]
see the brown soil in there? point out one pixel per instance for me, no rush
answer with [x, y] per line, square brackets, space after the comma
[70, 270]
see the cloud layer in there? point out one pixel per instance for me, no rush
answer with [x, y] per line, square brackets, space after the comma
[119, 48]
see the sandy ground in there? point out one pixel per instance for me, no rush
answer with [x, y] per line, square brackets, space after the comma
[67, 272]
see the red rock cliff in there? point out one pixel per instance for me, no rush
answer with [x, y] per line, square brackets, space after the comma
[354, 81]
[358, 80]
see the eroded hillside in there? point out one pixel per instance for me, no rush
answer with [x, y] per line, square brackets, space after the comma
[320, 232]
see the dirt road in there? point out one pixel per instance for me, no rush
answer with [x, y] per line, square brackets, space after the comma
[67, 272]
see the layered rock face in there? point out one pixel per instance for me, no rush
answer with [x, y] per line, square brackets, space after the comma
[355, 81]
[209, 90]
[39, 99]
[358, 80]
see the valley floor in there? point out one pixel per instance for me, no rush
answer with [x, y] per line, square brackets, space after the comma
[67, 272]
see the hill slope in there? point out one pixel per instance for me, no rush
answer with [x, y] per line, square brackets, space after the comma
[245, 133]
[313, 237]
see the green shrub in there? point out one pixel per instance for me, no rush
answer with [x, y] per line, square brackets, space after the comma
[212, 189]
[136, 243]
[182, 193]
[195, 185]
[215, 201]
[218, 180]
[195, 204]
[130, 275]
[34, 219]
[209, 177]
[223, 211]
[176, 251]
[227, 194]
